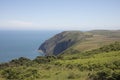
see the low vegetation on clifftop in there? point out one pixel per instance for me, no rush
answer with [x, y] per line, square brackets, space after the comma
[98, 64]
[94, 57]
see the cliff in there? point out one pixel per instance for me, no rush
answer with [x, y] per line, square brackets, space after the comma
[61, 42]
[68, 41]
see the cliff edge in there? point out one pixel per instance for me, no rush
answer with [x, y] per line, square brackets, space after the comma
[61, 42]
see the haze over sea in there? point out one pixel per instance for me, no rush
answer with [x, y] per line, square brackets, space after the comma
[15, 44]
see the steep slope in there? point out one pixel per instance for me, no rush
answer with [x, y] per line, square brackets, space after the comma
[62, 41]
[99, 39]
[76, 41]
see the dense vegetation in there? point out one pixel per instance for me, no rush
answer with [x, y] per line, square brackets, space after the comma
[98, 64]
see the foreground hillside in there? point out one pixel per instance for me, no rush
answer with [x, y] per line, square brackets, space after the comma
[68, 41]
[98, 64]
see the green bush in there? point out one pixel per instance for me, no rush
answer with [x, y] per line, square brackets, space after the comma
[73, 76]
[58, 63]
[46, 59]
[20, 74]
[41, 59]
[116, 75]
[69, 66]
[106, 74]
[21, 61]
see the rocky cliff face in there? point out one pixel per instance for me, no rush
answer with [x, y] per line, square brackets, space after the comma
[80, 41]
[61, 42]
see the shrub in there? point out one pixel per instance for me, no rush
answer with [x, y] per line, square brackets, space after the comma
[41, 59]
[116, 75]
[69, 66]
[106, 74]
[100, 75]
[58, 63]
[20, 74]
[47, 59]
[73, 76]
[20, 62]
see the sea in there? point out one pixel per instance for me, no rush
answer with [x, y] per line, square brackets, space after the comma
[21, 43]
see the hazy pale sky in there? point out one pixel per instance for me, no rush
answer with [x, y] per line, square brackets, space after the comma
[59, 14]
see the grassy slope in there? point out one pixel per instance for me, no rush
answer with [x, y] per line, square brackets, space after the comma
[77, 69]
[100, 58]
[94, 42]
[69, 67]
[82, 41]
[99, 39]
[109, 33]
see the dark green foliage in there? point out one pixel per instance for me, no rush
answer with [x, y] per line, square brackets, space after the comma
[116, 75]
[73, 75]
[57, 64]
[41, 59]
[20, 73]
[101, 64]
[45, 59]
[112, 47]
[105, 75]
[107, 48]
[21, 61]
[69, 66]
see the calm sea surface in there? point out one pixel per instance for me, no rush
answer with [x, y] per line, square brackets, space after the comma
[15, 44]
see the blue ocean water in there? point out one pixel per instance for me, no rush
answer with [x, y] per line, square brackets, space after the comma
[15, 44]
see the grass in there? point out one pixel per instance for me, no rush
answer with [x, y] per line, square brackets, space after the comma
[90, 43]
[94, 42]
[76, 69]
[79, 66]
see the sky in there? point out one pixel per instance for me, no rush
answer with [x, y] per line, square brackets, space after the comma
[59, 14]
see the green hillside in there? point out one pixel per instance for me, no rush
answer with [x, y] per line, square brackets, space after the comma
[68, 41]
[98, 64]
[61, 42]
[109, 33]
